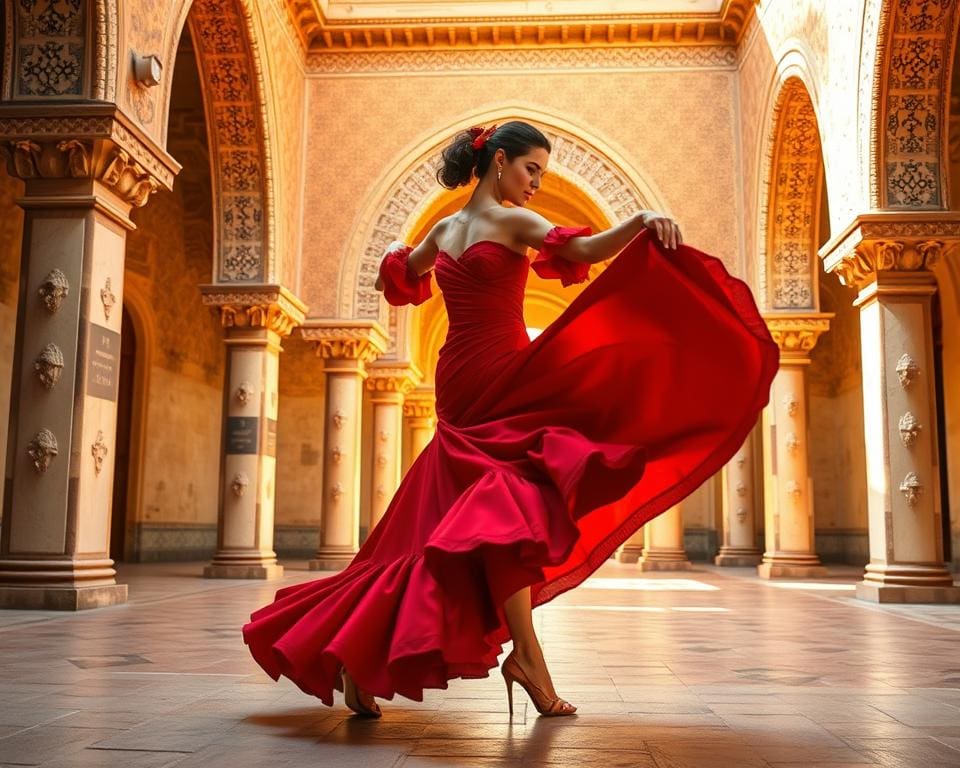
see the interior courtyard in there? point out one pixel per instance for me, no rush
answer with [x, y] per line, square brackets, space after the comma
[209, 400]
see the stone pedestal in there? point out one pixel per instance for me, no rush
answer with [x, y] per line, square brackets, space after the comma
[389, 382]
[420, 411]
[632, 549]
[888, 258]
[788, 492]
[663, 543]
[83, 171]
[346, 348]
[254, 318]
[739, 510]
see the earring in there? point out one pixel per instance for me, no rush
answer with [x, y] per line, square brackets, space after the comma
[499, 171]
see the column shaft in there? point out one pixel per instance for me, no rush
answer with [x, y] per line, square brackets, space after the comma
[739, 510]
[663, 548]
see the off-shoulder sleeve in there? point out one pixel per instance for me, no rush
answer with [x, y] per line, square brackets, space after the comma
[549, 263]
[401, 285]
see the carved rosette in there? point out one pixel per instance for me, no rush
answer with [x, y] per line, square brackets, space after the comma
[244, 392]
[107, 298]
[911, 487]
[99, 452]
[907, 370]
[271, 307]
[49, 365]
[239, 484]
[797, 334]
[53, 290]
[909, 429]
[42, 449]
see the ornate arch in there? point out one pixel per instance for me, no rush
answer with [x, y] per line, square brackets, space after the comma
[394, 210]
[910, 98]
[790, 181]
[226, 36]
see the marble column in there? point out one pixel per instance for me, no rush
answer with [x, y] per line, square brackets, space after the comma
[663, 548]
[788, 490]
[255, 318]
[389, 382]
[420, 411]
[739, 509]
[346, 347]
[632, 549]
[888, 257]
[83, 171]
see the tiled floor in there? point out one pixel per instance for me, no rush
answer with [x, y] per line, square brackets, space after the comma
[712, 668]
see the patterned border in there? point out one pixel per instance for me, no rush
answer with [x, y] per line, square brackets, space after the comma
[526, 59]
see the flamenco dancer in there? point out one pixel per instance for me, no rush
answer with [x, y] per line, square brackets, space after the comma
[548, 454]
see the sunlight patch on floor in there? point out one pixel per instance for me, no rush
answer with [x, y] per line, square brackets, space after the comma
[811, 585]
[650, 585]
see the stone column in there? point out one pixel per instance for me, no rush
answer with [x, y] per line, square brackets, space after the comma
[632, 549]
[346, 347]
[663, 548]
[389, 382]
[888, 258]
[420, 410]
[788, 491]
[254, 318]
[83, 170]
[739, 510]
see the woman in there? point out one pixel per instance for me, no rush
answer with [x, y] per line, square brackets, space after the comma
[548, 454]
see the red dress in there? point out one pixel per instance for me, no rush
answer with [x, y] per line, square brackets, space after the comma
[548, 454]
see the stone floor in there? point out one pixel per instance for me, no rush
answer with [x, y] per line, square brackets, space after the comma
[711, 668]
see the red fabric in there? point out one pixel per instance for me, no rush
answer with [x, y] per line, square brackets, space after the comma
[548, 454]
[401, 285]
[549, 263]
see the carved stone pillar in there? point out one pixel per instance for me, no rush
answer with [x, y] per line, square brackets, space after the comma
[420, 410]
[788, 493]
[254, 318]
[83, 170]
[632, 549]
[663, 548]
[888, 258]
[389, 382]
[739, 510]
[346, 348]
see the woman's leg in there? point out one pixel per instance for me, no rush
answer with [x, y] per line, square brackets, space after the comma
[519, 614]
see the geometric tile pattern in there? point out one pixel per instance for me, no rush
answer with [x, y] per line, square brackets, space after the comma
[914, 102]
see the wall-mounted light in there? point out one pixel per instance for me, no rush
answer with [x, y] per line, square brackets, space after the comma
[147, 69]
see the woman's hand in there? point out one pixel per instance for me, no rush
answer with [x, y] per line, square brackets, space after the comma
[667, 229]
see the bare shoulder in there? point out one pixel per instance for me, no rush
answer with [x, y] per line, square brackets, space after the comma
[526, 227]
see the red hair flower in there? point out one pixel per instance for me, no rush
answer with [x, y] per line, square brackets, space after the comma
[480, 135]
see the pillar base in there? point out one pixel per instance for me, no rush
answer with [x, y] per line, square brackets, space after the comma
[791, 567]
[247, 564]
[738, 557]
[266, 572]
[332, 558]
[628, 553]
[886, 583]
[62, 598]
[668, 560]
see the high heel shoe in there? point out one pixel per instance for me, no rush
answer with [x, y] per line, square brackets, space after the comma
[546, 706]
[351, 698]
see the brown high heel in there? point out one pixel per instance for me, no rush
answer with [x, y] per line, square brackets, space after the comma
[352, 698]
[546, 706]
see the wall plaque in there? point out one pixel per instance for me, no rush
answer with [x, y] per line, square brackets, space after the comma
[103, 362]
[242, 434]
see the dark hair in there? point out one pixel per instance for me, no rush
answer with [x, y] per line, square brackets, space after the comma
[461, 160]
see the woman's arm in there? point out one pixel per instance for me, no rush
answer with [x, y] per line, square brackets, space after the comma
[422, 257]
[531, 228]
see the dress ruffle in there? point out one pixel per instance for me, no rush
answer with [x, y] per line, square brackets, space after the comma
[549, 263]
[401, 285]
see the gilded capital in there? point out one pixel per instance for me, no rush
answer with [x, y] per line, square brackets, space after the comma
[271, 307]
[362, 341]
[94, 142]
[420, 404]
[393, 376]
[797, 334]
[889, 244]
